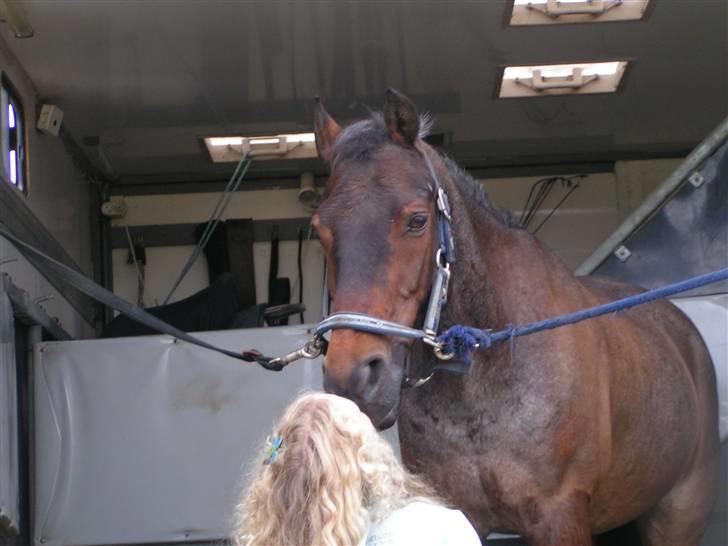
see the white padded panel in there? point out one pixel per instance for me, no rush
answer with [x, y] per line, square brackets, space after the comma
[710, 316]
[142, 440]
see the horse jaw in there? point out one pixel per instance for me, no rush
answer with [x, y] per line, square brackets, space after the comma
[401, 353]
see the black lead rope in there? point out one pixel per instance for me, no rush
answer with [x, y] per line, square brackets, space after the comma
[101, 294]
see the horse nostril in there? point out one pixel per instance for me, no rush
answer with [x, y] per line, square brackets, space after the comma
[366, 376]
[375, 365]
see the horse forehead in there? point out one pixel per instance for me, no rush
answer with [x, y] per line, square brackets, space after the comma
[402, 167]
[384, 186]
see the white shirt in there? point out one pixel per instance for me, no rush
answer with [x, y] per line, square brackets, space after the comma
[423, 524]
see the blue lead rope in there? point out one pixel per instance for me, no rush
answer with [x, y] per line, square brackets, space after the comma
[463, 340]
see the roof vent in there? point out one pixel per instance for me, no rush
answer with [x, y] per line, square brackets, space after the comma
[561, 79]
[544, 12]
[288, 146]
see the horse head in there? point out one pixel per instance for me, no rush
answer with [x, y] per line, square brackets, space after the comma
[378, 227]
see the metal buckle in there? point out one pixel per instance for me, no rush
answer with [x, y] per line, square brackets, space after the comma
[444, 266]
[445, 284]
[443, 205]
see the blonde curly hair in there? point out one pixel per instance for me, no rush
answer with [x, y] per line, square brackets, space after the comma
[331, 478]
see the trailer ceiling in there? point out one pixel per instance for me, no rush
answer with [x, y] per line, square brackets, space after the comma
[151, 78]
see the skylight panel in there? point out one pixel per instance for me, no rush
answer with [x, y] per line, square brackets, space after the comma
[561, 79]
[286, 146]
[545, 12]
[217, 142]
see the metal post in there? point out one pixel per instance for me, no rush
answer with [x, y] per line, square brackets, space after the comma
[667, 188]
[10, 513]
[35, 336]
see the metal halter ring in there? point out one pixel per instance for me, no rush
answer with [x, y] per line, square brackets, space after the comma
[313, 348]
[440, 261]
[419, 382]
[437, 348]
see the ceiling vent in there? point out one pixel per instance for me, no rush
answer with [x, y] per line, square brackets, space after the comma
[289, 146]
[561, 79]
[550, 12]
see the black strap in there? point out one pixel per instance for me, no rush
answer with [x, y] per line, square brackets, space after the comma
[273, 267]
[99, 293]
[279, 289]
[300, 269]
[239, 248]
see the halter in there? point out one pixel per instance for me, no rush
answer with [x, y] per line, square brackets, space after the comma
[444, 257]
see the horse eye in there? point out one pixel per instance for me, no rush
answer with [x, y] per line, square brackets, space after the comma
[417, 222]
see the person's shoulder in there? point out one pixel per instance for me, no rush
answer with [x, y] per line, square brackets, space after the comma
[424, 524]
[424, 509]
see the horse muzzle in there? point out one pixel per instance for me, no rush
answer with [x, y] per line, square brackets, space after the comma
[360, 367]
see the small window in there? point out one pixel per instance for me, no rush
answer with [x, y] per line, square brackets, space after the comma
[561, 79]
[554, 12]
[13, 138]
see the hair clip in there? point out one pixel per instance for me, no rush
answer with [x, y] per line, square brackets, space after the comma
[274, 447]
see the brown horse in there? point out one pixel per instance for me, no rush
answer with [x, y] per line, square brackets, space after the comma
[562, 435]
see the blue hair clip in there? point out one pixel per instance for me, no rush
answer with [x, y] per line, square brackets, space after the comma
[274, 447]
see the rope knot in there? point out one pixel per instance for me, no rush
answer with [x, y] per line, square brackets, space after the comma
[463, 340]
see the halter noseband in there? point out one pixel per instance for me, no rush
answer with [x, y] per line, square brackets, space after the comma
[444, 257]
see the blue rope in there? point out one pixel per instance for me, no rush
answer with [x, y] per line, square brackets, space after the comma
[463, 340]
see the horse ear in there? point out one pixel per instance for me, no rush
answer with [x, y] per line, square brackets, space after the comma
[401, 117]
[326, 130]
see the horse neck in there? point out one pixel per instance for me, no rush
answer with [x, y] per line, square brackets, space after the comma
[481, 245]
[473, 298]
[502, 274]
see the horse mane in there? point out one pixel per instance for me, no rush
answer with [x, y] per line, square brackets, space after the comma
[360, 140]
[475, 192]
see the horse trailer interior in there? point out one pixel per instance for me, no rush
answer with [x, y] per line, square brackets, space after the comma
[165, 151]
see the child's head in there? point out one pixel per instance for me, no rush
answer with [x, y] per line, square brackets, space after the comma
[330, 475]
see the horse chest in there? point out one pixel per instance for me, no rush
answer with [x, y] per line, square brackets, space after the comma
[434, 446]
[486, 460]
[442, 423]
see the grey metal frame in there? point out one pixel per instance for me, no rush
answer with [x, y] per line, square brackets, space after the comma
[29, 312]
[654, 200]
[22, 312]
[20, 220]
[184, 234]
[9, 423]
